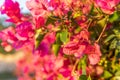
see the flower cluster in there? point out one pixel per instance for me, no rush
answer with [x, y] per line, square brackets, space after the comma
[107, 7]
[12, 10]
[62, 39]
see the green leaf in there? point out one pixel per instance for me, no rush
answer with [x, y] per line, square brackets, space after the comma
[117, 73]
[39, 38]
[116, 78]
[118, 55]
[83, 62]
[77, 14]
[82, 65]
[114, 17]
[107, 74]
[102, 22]
[58, 41]
[118, 36]
[51, 20]
[89, 78]
[69, 14]
[55, 48]
[113, 44]
[60, 76]
[116, 31]
[79, 65]
[64, 36]
[83, 77]
[92, 9]
[77, 30]
[109, 38]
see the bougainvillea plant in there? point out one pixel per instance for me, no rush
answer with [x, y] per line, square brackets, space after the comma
[65, 39]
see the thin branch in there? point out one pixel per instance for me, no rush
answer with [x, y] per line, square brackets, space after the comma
[74, 67]
[103, 30]
[89, 24]
[101, 33]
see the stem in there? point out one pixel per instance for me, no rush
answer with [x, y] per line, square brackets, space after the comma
[53, 18]
[103, 30]
[98, 9]
[89, 24]
[74, 67]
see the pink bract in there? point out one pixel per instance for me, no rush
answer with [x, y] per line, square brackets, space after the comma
[74, 48]
[12, 10]
[93, 53]
[40, 22]
[61, 38]
[107, 6]
[37, 7]
[24, 30]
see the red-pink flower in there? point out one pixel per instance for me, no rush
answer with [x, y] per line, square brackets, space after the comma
[24, 31]
[44, 46]
[43, 49]
[50, 38]
[75, 48]
[12, 10]
[8, 35]
[82, 22]
[54, 4]
[58, 7]
[84, 35]
[94, 53]
[37, 7]
[24, 34]
[107, 6]
[19, 36]
[78, 45]
[39, 22]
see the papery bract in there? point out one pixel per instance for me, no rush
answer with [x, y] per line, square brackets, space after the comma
[71, 27]
[8, 35]
[78, 46]
[37, 7]
[74, 48]
[42, 49]
[107, 6]
[40, 22]
[93, 53]
[24, 31]
[12, 10]
[50, 38]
